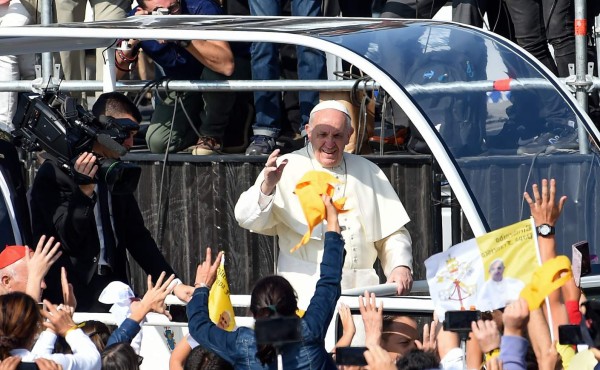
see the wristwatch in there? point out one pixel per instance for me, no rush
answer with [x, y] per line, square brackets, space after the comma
[545, 230]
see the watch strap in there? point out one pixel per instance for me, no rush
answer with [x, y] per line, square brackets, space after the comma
[551, 231]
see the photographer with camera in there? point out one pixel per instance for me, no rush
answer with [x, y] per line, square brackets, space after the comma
[273, 304]
[95, 217]
[181, 120]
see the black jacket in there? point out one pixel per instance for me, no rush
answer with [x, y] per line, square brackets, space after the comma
[13, 174]
[60, 208]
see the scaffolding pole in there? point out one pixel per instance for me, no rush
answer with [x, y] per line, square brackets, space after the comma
[583, 81]
[597, 37]
[289, 85]
[47, 56]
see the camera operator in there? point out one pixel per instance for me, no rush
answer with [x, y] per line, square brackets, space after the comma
[190, 60]
[95, 227]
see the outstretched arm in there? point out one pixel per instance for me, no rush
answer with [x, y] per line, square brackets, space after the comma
[153, 301]
[216, 55]
[545, 210]
[328, 290]
[202, 329]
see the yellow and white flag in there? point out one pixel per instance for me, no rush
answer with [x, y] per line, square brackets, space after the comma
[220, 308]
[484, 273]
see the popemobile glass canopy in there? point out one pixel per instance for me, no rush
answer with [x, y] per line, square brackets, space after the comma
[493, 117]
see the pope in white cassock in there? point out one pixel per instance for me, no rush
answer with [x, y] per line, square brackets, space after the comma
[498, 291]
[373, 226]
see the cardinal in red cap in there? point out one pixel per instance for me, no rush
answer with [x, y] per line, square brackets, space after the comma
[13, 269]
[11, 254]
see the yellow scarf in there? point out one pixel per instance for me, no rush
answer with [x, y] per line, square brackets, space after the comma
[309, 190]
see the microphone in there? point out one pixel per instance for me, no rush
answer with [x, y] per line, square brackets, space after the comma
[111, 144]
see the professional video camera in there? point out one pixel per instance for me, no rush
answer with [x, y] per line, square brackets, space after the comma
[54, 122]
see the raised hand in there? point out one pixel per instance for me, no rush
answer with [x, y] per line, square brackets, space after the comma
[331, 214]
[372, 316]
[543, 208]
[272, 173]
[67, 290]
[487, 334]
[515, 317]
[59, 321]
[154, 299]
[348, 327]
[429, 338]
[38, 264]
[206, 273]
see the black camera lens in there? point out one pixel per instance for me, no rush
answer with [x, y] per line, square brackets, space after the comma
[121, 177]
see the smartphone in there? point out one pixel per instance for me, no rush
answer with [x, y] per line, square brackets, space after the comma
[350, 356]
[460, 321]
[277, 330]
[584, 248]
[570, 334]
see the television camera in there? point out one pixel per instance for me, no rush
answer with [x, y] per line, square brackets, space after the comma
[55, 123]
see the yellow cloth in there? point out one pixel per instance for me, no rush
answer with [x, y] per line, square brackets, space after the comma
[220, 308]
[566, 353]
[546, 279]
[583, 361]
[309, 190]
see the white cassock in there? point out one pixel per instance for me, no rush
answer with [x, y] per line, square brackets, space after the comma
[498, 294]
[373, 226]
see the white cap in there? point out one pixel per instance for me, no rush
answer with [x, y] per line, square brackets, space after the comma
[330, 104]
[117, 293]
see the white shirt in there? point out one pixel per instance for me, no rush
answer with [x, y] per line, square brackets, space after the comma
[85, 354]
[100, 227]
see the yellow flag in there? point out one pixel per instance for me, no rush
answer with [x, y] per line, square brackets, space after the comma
[484, 273]
[220, 308]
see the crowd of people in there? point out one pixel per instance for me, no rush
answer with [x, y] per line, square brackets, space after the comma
[203, 123]
[81, 244]
[83, 230]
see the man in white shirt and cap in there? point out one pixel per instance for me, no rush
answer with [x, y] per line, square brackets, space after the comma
[373, 226]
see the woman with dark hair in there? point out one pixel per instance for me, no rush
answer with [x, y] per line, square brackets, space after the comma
[273, 296]
[21, 321]
[120, 356]
[97, 331]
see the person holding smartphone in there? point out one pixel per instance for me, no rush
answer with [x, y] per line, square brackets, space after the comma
[274, 298]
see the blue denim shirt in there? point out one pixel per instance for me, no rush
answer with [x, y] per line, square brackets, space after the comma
[125, 332]
[239, 347]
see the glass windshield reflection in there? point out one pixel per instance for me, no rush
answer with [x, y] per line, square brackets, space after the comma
[506, 125]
